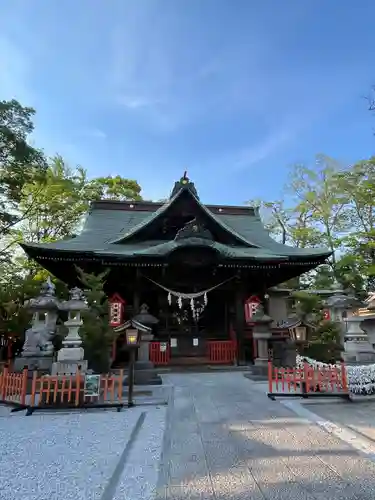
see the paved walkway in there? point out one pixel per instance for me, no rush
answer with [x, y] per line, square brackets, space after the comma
[229, 442]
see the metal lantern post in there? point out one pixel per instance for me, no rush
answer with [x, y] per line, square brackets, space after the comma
[132, 341]
[298, 333]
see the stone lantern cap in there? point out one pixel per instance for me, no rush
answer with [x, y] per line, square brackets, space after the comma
[76, 301]
[260, 317]
[46, 300]
[144, 317]
[342, 301]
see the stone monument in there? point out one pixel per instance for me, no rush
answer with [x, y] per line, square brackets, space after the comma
[37, 350]
[71, 355]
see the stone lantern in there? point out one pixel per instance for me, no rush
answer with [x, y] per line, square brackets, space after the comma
[37, 351]
[357, 346]
[368, 317]
[144, 371]
[262, 334]
[146, 319]
[71, 356]
[341, 307]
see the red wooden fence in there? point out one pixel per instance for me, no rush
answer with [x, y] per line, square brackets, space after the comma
[307, 381]
[221, 351]
[13, 387]
[158, 355]
[69, 390]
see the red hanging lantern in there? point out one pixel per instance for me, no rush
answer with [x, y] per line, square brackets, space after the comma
[251, 307]
[326, 315]
[116, 310]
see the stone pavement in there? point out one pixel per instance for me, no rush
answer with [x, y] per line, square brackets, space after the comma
[228, 441]
[359, 417]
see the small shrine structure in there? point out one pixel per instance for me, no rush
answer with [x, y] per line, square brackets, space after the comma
[194, 265]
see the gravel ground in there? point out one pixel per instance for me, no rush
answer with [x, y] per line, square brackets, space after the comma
[139, 478]
[74, 455]
[228, 441]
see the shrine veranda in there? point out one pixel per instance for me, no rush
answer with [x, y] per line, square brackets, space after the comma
[196, 266]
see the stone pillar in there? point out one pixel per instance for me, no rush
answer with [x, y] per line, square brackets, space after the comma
[144, 350]
[262, 334]
[71, 355]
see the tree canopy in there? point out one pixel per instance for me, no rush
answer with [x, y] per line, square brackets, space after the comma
[330, 205]
[42, 199]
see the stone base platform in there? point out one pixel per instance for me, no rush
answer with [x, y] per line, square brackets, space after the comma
[68, 367]
[42, 363]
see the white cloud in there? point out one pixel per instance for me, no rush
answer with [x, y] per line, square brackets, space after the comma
[136, 102]
[94, 133]
[252, 155]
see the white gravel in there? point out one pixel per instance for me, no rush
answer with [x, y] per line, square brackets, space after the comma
[73, 455]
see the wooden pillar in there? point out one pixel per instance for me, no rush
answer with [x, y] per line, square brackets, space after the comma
[136, 292]
[265, 300]
[240, 325]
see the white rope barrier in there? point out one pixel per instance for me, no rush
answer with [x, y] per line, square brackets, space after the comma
[361, 378]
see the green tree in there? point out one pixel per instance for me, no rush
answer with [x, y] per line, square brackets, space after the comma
[357, 186]
[319, 197]
[96, 333]
[58, 205]
[324, 340]
[20, 163]
[115, 188]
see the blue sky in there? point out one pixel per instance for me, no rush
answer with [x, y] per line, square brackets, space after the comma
[234, 91]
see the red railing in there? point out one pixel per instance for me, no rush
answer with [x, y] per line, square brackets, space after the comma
[13, 386]
[221, 351]
[160, 353]
[70, 390]
[307, 381]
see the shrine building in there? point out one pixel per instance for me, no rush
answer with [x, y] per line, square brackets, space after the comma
[201, 269]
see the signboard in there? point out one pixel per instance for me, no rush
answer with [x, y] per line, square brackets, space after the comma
[173, 342]
[163, 346]
[195, 342]
[92, 385]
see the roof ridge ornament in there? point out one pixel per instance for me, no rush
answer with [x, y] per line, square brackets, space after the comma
[184, 183]
[193, 229]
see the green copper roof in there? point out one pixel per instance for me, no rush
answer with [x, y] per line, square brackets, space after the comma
[109, 228]
[189, 187]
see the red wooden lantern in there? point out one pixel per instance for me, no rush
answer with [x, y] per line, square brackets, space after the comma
[116, 310]
[326, 314]
[251, 307]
